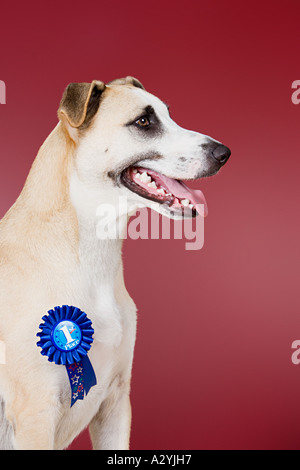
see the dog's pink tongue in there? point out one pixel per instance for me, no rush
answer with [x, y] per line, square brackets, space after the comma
[181, 191]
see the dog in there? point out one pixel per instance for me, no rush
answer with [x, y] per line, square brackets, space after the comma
[112, 140]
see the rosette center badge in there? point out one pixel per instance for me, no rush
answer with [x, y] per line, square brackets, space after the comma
[66, 337]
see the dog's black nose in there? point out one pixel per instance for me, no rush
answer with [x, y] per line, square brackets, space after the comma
[221, 154]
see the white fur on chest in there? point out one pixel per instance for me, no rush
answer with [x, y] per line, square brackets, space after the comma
[111, 356]
[98, 289]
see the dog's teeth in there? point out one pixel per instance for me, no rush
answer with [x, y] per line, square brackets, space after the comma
[134, 170]
[161, 191]
[185, 202]
[152, 185]
[191, 206]
[138, 176]
[145, 178]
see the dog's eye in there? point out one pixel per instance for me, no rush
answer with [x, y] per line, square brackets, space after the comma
[143, 122]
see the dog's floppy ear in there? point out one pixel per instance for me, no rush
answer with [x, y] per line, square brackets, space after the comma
[79, 104]
[127, 81]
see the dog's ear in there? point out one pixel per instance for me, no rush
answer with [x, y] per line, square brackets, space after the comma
[127, 81]
[79, 104]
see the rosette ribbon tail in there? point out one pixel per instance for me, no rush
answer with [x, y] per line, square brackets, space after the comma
[66, 338]
[89, 375]
[82, 378]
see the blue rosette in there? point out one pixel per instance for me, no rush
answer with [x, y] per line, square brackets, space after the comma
[66, 337]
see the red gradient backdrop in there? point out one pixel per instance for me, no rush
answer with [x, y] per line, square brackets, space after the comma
[212, 367]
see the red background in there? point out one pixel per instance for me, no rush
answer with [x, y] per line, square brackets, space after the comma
[212, 367]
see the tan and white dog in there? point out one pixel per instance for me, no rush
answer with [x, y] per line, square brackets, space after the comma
[111, 140]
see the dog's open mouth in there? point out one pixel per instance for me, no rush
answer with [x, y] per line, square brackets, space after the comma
[159, 188]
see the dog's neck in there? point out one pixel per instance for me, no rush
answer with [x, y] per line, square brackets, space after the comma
[56, 205]
[100, 256]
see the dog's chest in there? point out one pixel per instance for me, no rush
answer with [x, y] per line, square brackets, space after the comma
[111, 354]
[114, 322]
[114, 339]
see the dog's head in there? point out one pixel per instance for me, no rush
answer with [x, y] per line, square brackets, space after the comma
[126, 141]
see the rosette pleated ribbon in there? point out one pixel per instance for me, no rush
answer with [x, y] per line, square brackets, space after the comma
[66, 338]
